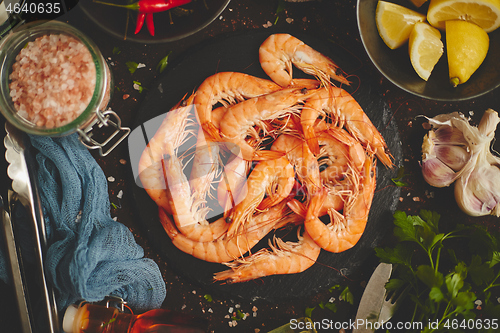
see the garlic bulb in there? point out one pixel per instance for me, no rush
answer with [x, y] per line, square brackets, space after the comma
[467, 160]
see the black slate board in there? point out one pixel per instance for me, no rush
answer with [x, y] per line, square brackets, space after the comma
[239, 52]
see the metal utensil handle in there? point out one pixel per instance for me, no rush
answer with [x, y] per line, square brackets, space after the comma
[103, 119]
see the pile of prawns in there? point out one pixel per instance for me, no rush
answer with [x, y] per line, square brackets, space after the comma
[300, 149]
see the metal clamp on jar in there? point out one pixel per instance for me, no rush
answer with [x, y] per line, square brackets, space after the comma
[54, 81]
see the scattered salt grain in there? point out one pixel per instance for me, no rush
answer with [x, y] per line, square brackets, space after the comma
[140, 66]
[183, 306]
[230, 310]
[210, 310]
[289, 20]
[137, 86]
[237, 306]
[111, 179]
[194, 292]
[120, 194]
[267, 25]
[331, 300]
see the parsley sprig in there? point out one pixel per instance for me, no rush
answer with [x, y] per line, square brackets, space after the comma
[444, 281]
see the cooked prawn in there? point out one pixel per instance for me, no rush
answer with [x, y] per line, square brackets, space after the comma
[225, 249]
[187, 206]
[344, 231]
[284, 258]
[239, 119]
[172, 132]
[227, 88]
[274, 177]
[279, 51]
[344, 111]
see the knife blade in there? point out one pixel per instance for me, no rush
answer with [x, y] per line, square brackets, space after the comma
[372, 299]
[18, 279]
[22, 171]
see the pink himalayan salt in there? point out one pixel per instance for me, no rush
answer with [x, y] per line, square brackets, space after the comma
[52, 80]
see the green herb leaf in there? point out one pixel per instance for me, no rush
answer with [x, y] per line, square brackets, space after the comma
[347, 296]
[432, 219]
[208, 297]
[308, 312]
[239, 315]
[331, 306]
[464, 301]
[394, 284]
[436, 294]
[335, 287]
[116, 50]
[401, 254]
[132, 66]
[428, 276]
[163, 63]
[454, 282]
[405, 227]
[114, 206]
[480, 272]
[397, 180]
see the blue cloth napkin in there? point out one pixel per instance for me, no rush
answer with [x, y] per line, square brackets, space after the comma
[90, 255]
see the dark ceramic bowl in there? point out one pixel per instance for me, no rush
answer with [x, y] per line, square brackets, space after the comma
[114, 20]
[395, 65]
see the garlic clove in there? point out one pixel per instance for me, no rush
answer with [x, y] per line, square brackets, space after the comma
[479, 193]
[436, 173]
[453, 156]
[449, 135]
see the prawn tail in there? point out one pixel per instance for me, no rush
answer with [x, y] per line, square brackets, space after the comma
[385, 157]
[312, 140]
[265, 155]
[245, 269]
[212, 131]
[335, 73]
[297, 207]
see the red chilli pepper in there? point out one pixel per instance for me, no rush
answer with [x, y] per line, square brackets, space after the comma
[146, 8]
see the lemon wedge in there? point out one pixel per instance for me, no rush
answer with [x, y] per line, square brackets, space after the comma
[466, 46]
[484, 13]
[395, 22]
[425, 48]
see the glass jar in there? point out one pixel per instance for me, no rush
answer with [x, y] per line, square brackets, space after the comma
[94, 113]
